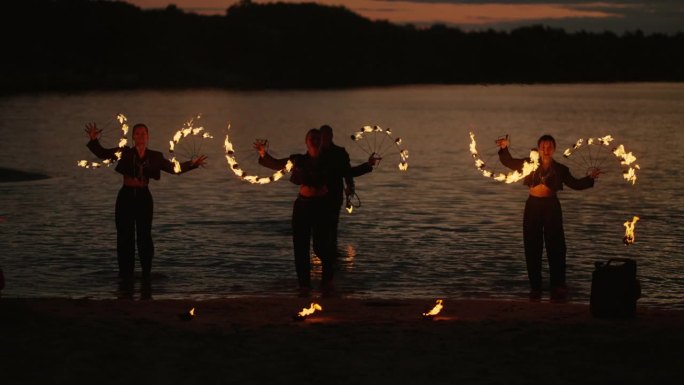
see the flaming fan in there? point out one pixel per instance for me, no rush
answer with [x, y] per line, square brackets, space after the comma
[510, 177]
[234, 166]
[187, 148]
[108, 140]
[591, 154]
[378, 142]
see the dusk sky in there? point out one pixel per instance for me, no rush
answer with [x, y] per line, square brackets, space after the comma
[658, 16]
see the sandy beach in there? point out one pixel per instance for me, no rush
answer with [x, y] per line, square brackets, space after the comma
[351, 341]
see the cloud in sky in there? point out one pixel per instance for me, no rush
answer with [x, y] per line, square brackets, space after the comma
[657, 16]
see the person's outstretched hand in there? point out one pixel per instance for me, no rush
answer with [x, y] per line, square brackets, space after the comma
[502, 142]
[199, 161]
[92, 131]
[260, 145]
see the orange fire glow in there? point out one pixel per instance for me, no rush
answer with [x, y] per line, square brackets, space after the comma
[310, 310]
[435, 310]
[629, 231]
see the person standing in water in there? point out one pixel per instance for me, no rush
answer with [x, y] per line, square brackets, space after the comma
[543, 217]
[310, 217]
[134, 205]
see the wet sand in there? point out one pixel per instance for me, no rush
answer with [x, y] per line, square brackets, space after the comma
[351, 341]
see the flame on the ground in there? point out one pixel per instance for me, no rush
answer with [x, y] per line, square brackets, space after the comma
[435, 310]
[629, 231]
[234, 166]
[511, 177]
[192, 312]
[310, 310]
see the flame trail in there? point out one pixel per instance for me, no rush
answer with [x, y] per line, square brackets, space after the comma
[403, 153]
[121, 118]
[235, 167]
[627, 159]
[511, 177]
[629, 231]
[187, 129]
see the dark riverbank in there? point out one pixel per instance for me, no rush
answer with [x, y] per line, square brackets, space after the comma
[256, 340]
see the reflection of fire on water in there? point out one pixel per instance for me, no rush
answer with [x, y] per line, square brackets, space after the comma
[435, 310]
[308, 311]
[629, 231]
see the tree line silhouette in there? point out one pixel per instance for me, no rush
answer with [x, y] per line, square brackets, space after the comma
[68, 45]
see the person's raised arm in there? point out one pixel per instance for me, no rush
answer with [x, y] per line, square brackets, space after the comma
[94, 145]
[265, 159]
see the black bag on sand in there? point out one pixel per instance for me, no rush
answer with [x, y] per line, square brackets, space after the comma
[614, 288]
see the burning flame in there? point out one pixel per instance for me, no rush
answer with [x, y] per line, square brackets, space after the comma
[187, 129]
[435, 310]
[626, 158]
[192, 312]
[121, 118]
[629, 231]
[403, 153]
[235, 167]
[511, 177]
[307, 312]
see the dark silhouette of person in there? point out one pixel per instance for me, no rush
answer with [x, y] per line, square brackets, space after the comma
[310, 216]
[134, 204]
[340, 173]
[543, 217]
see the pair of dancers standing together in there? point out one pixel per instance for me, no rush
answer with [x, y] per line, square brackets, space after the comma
[320, 173]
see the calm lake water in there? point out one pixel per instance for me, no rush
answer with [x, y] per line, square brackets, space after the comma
[438, 229]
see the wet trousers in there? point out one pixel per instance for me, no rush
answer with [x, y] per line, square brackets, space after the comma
[543, 224]
[134, 208]
[311, 221]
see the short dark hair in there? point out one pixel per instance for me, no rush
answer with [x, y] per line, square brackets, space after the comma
[546, 138]
[140, 125]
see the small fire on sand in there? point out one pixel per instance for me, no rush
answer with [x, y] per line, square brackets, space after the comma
[187, 316]
[435, 310]
[629, 231]
[306, 312]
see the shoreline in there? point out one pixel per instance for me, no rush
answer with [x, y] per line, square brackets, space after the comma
[373, 341]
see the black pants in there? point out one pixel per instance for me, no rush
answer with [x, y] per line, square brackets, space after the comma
[334, 205]
[543, 224]
[134, 208]
[311, 219]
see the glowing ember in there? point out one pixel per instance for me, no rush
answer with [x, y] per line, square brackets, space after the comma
[235, 167]
[403, 153]
[629, 231]
[308, 311]
[435, 310]
[511, 177]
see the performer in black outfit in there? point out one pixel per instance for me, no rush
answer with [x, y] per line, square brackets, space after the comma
[134, 205]
[543, 217]
[310, 216]
[340, 172]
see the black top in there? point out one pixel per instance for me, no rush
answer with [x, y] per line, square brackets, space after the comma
[336, 161]
[131, 164]
[305, 171]
[553, 178]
